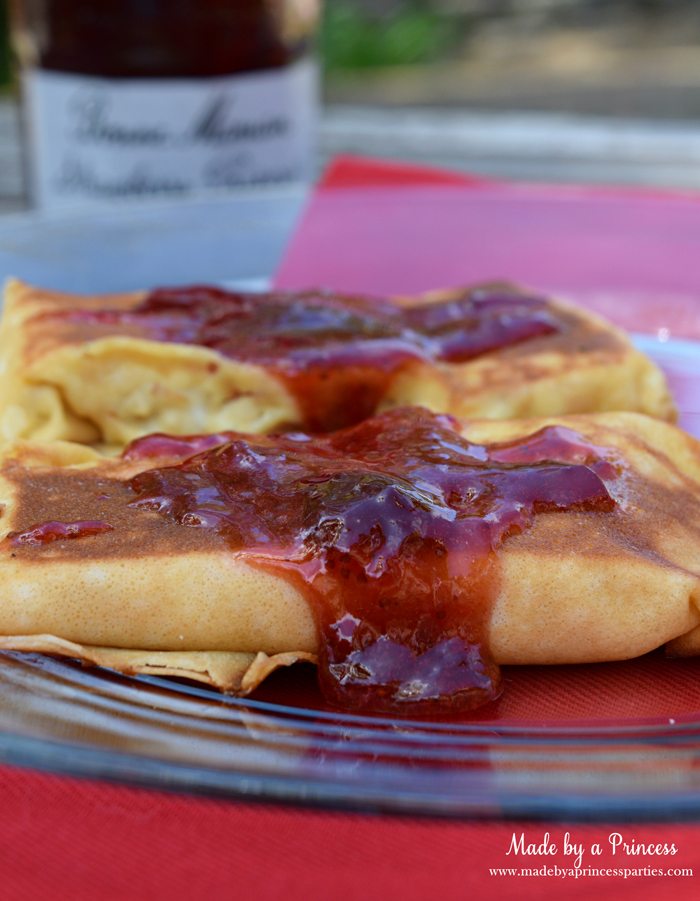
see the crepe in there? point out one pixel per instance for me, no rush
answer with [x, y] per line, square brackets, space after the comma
[151, 595]
[90, 370]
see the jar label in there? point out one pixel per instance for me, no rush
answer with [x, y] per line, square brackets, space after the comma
[92, 140]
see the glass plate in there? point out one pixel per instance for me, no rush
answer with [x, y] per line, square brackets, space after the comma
[597, 741]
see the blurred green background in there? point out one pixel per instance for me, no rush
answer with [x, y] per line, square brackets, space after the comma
[633, 58]
[357, 34]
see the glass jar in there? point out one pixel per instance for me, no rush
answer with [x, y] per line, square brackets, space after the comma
[162, 98]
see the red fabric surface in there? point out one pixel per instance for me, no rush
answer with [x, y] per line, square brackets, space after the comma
[70, 839]
[409, 230]
[358, 172]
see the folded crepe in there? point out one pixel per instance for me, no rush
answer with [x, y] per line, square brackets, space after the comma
[219, 559]
[106, 370]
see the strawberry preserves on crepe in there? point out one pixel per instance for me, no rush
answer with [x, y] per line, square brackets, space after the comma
[105, 371]
[408, 556]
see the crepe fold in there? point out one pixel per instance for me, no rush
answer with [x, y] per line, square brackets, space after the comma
[155, 596]
[229, 671]
[108, 385]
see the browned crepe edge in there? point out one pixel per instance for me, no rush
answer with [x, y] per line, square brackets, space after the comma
[229, 671]
[686, 645]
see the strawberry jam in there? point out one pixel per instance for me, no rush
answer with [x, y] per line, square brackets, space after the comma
[47, 532]
[336, 354]
[390, 529]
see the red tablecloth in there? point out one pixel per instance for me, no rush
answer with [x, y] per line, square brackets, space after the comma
[65, 838]
[78, 839]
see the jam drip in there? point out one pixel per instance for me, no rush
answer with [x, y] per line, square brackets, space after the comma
[337, 354]
[47, 532]
[390, 529]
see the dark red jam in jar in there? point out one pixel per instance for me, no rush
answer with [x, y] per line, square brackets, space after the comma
[391, 530]
[161, 38]
[337, 354]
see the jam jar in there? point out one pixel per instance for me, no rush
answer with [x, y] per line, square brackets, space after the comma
[164, 98]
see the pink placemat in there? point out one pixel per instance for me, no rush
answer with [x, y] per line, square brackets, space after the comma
[380, 228]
